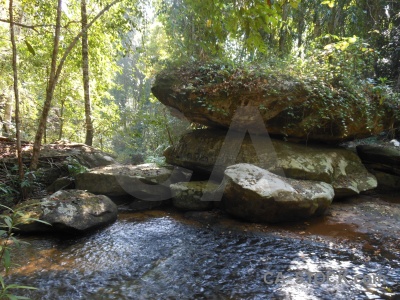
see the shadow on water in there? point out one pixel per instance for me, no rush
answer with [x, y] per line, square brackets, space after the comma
[168, 255]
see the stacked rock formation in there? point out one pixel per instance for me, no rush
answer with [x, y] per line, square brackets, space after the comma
[264, 179]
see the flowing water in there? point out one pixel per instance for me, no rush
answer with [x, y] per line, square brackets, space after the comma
[166, 255]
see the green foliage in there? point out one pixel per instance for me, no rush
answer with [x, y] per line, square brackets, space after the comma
[8, 224]
[11, 186]
[75, 167]
[66, 118]
[346, 44]
[158, 160]
[334, 96]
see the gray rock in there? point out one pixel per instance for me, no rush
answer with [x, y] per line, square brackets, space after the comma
[386, 181]
[187, 195]
[384, 162]
[140, 205]
[63, 183]
[145, 182]
[386, 156]
[198, 150]
[257, 195]
[67, 211]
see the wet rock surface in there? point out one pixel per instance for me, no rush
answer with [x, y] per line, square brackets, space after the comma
[69, 211]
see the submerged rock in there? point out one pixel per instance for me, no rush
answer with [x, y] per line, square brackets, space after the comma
[145, 182]
[67, 211]
[200, 149]
[257, 195]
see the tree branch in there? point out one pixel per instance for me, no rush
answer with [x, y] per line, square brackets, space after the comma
[33, 27]
[79, 35]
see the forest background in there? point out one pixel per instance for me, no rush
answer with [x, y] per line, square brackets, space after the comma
[85, 67]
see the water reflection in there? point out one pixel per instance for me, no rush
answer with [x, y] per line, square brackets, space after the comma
[160, 255]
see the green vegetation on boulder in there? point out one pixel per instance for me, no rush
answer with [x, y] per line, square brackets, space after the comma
[291, 103]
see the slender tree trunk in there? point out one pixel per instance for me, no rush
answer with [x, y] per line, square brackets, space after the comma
[16, 91]
[49, 92]
[60, 133]
[85, 73]
[8, 110]
[283, 30]
[301, 25]
[55, 72]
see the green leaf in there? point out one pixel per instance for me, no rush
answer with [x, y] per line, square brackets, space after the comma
[40, 221]
[8, 221]
[7, 259]
[6, 207]
[353, 39]
[2, 282]
[30, 48]
[16, 286]
[294, 4]
[12, 297]
[330, 3]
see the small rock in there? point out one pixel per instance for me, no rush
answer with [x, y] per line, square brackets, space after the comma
[396, 143]
[68, 211]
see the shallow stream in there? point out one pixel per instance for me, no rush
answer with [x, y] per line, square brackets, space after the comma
[170, 255]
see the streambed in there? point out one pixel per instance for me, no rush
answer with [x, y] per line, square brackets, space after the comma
[207, 255]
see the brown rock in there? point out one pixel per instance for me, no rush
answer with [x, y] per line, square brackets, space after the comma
[292, 107]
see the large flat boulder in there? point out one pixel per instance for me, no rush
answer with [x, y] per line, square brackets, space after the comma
[301, 108]
[68, 211]
[145, 182]
[198, 150]
[257, 195]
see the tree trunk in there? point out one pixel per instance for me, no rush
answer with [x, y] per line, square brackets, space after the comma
[49, 92]
[16, 92]
[55, 72]
[283, 34]
[85, 76]
[60, 133]
[8, 110]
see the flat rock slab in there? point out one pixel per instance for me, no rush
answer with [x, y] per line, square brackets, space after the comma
[200, 151]
[147, 182]
[385, 155]
[384, 162]
[210, 94]
[256, 195]
[68, 211]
